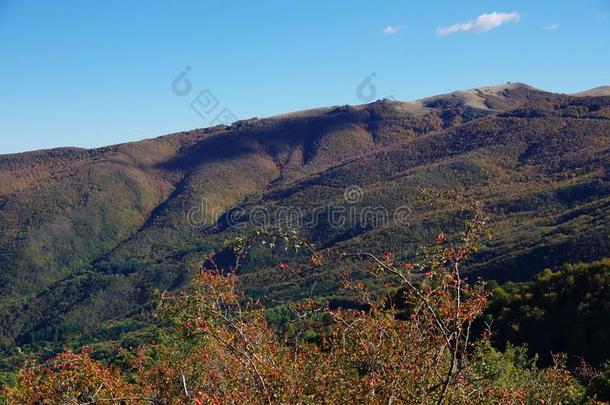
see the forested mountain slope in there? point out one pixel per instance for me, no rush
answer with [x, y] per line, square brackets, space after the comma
[86, 236]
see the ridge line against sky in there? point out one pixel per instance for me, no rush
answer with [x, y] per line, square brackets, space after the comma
[99, 73]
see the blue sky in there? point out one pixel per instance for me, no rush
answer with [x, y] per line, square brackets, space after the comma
[92, 73]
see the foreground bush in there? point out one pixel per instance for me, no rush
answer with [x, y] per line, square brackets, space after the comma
[218, 353]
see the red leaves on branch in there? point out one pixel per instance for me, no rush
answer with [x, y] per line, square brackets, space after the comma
[440, 239]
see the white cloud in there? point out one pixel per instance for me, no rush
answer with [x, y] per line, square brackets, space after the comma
[484, 22]
[393, 29]
[551, 27]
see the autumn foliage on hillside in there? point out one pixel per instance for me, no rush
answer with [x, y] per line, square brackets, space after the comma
[219, 348]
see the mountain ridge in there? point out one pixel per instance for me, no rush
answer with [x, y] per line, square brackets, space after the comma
[419, 104]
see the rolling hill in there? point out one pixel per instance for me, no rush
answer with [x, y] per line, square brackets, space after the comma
[87, 236]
